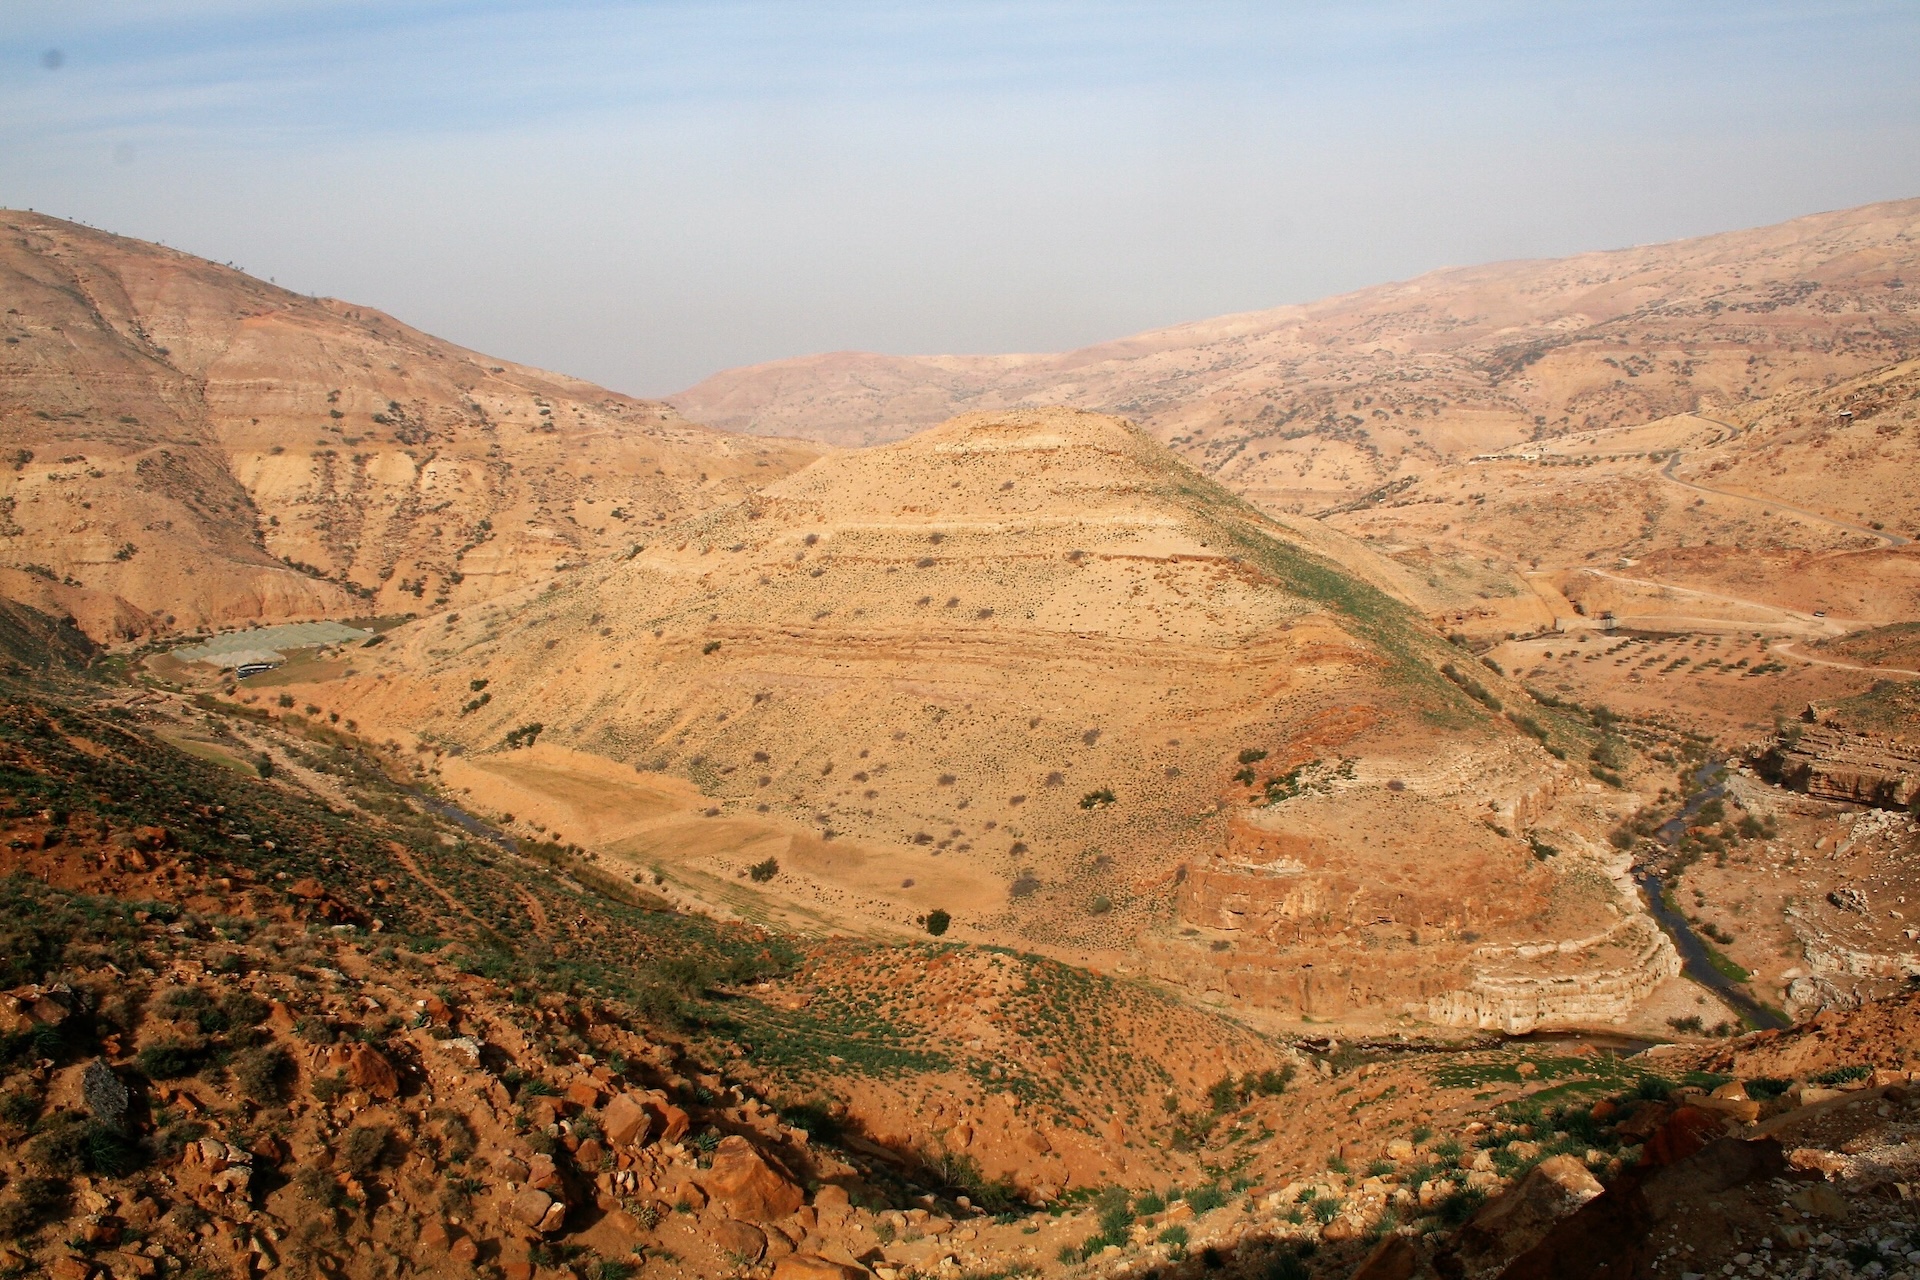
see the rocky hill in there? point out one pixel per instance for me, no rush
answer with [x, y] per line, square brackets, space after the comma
[1023, 669]
[266, 1010]
[188, 447]
[1303, 407]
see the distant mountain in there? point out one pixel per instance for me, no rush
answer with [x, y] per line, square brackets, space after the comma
[185, 446]
[1303, 407]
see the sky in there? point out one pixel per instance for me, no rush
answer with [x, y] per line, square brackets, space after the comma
[643, 194]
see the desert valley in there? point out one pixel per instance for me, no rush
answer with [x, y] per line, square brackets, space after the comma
[1421, 783]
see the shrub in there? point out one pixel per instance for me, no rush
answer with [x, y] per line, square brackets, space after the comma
[35, 1202]
[1843, 1075]
[262, 1073]
[1205, 1199]
[329, 1088]
[1097, 799]
[365, 1147]
[169, 1059]
[937, 921]
[1100, 905]
[761, 872]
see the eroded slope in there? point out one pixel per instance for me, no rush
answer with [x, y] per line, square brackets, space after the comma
[192, 447]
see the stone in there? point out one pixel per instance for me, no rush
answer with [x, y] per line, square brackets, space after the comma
[1815, 1160]
[811, 1266]
[366, 1068]
[831, 1205]
[748, 1186]
[1392, 1259]
[1686, 1131]
[625, 1121]
[590, 1154]
[466, 1249]
[106, 1097]
[1820, 1200]
[151, 839]
[1741, 1110]
[1399, 1151]
[543, 1174]
[434, 1235]
[671, 1120]
[530, 1207]
[1511, 1223]
[70, 1267]
[584, 1093]
[1339, 1230]
[739, 1240]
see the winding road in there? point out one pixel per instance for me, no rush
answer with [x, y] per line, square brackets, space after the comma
[1778, 508]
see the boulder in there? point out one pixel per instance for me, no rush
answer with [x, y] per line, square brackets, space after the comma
[1820, 1200]
[625, 1121]
[748, 1186]
[670, 1120]
[1686, 1131]
[809, 1266]
[1510, 1224]
[832, 1205]
[1392, 1259]
[366, 1068]
[584, 1093]
[739, 1240]
[106, 1097]
[531, 1208]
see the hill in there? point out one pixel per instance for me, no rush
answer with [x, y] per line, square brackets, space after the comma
[1302, 407]
[189, 447]
[1024, 668]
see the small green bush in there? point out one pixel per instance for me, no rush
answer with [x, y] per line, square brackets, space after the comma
[169, 1059]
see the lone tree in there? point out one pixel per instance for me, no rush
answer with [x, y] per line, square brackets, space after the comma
[937, 921]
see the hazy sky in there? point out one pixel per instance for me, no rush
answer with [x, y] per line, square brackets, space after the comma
[644, 193]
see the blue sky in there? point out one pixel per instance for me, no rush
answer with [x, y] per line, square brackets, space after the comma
[643, 193]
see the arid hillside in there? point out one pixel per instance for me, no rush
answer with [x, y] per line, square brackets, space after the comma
[1032, 670]
[190, 447]
[1303, 407]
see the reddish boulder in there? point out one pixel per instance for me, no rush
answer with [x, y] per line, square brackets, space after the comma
[625, 1121]
[808, 1266]
[366, 1068]
[1685, 1132]
[747, 1244]
[748, 1185]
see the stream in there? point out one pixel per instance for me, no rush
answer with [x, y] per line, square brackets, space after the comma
[1695, 961]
